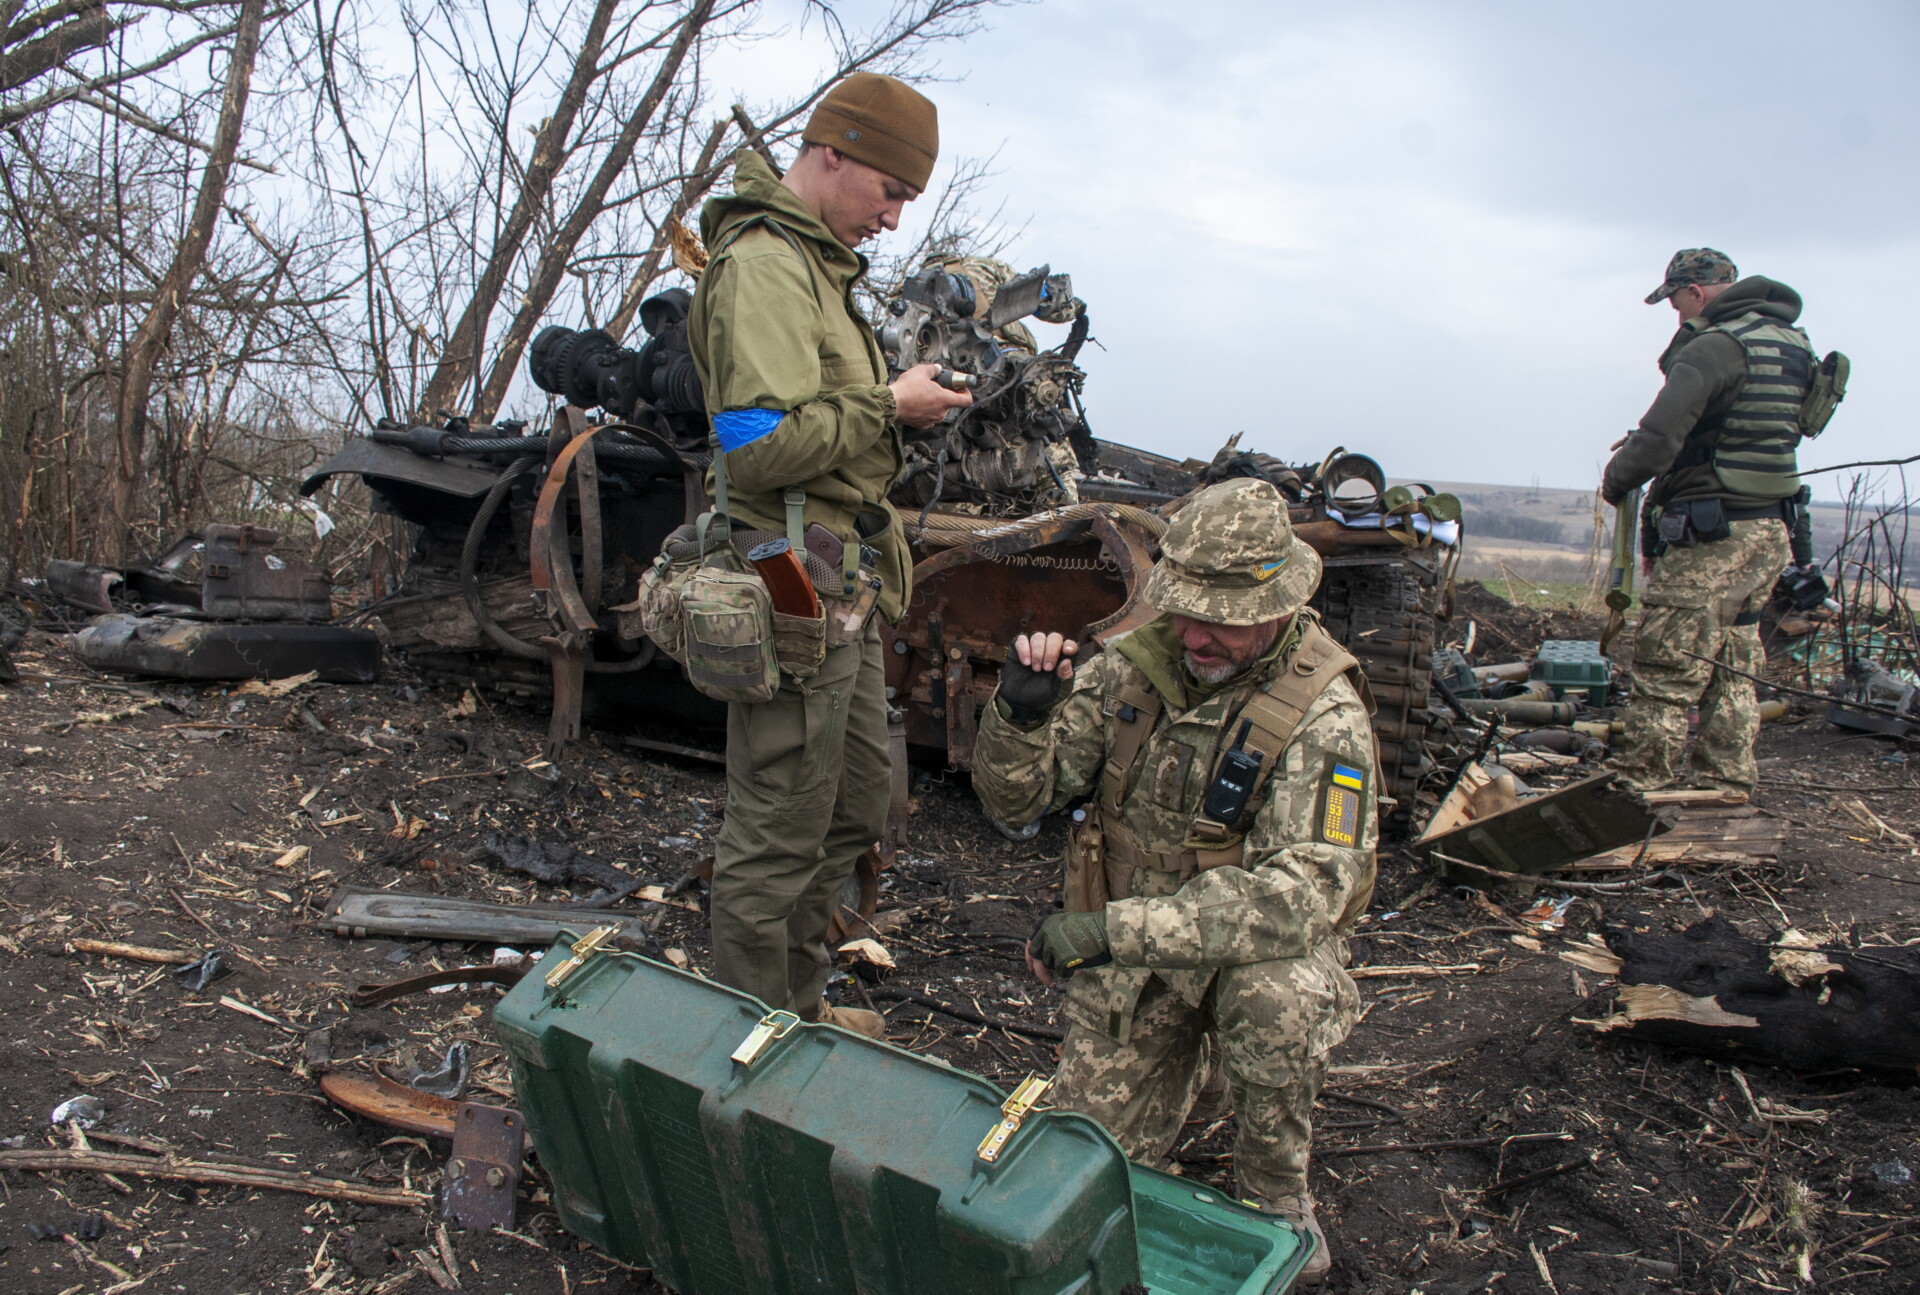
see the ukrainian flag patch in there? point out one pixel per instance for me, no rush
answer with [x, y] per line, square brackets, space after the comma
[1345, 777]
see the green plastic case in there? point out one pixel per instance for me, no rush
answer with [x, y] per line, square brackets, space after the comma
[1573, 665]
[833, 1163]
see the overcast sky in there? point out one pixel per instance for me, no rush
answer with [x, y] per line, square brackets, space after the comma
[1424, 230]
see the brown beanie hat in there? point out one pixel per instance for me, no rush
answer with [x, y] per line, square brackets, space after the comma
[881, 121]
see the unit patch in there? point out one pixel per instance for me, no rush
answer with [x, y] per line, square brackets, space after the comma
[1341, 823]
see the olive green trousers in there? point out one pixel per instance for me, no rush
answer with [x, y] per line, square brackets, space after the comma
[808, 779]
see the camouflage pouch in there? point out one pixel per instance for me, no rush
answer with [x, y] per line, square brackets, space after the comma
[847, 617]
[662, 617]
[800, 643]
[728, 621]
[1828, 389]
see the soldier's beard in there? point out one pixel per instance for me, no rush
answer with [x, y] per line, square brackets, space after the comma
[1224, 663]
[1217, 672]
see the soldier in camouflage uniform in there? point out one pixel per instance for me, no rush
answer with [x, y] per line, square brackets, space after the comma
[1187, 919]
[1718, 443]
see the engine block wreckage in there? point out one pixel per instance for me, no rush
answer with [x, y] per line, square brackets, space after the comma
[529, 547]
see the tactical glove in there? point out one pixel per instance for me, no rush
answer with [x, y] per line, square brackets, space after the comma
[1029, 693]
[1067, 942]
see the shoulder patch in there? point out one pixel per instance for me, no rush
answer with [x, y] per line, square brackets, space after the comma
[1340, 823]
[1347, 777]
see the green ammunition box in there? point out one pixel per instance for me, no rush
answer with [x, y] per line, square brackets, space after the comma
[740, 1153]
[1573, 665]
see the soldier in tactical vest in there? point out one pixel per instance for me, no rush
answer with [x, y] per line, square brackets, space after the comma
[805, 426]
[1226, 759]
[1719, 445]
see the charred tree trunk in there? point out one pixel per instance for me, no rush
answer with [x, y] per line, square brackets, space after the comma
[1791, 1002]
[559, 250]
[150, 340]
[460, 361]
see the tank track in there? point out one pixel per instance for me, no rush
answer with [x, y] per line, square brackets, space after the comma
[1383, 615]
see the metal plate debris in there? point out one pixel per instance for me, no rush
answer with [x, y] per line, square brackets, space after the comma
[1548, 831]
[213, 650]
[360, 913]
[483, 1174]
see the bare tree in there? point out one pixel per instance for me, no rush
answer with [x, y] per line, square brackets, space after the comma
[150, 340]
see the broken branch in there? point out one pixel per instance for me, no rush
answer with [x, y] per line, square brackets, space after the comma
[197, 1171]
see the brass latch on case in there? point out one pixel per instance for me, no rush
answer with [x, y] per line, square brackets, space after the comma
[1014, 1110]
[774, 1025]
[583, 948]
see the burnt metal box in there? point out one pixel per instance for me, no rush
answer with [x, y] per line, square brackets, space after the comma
[737, 1152]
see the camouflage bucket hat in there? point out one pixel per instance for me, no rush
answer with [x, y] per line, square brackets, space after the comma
[1694, 265]
[1230, 557]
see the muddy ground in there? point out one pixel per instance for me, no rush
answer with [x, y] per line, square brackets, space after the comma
[169, 816]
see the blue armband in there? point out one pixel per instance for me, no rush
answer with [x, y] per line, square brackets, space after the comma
[740, 427]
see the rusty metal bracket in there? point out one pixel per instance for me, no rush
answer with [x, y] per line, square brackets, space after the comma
[483, 1174]
[551, 562]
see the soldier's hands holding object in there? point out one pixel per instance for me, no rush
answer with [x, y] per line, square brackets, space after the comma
[1068, 942]
[1030, 677]
[919, 401]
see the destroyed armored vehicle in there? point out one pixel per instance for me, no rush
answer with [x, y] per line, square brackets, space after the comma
[529, 545]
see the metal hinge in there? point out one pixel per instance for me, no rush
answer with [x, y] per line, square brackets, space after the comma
[1014, 1110]
[774, 1025]
[583, 948]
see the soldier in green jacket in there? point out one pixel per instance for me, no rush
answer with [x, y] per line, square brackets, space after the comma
[805, 417]
[1226, 847]
[1719, 445]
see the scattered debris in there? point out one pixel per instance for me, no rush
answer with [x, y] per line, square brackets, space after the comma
[215, 650]
[555, 863]
[269, 1177]
[359, 913]
[203, 971]
[446, 1079]
[1712, 989]
[1541, 833]
[84, 1111]
[483, 1173]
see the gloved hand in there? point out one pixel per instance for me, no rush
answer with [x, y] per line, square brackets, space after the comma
[1067, 942]
[1030, 690]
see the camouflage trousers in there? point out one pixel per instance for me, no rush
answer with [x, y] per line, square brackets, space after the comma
[808, 777]
[1705, 599]
[1264, 1035]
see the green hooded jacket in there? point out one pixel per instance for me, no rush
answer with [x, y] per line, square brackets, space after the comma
[774, 329]
[1705, 371]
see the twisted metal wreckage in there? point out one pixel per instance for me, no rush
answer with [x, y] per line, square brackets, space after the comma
[529, 546]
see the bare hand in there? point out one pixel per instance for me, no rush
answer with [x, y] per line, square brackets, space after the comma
[1622, 441]
[1038, 968]
[1047, 652]
[919, 401]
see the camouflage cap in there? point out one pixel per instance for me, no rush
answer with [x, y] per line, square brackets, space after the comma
[1694, 265]
[1230, 557]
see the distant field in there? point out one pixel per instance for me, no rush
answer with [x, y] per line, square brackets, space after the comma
[1546, 536]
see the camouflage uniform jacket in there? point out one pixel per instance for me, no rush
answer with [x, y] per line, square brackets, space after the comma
[1294, 896]
[784, 353]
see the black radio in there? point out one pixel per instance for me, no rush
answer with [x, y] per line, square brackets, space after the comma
[1233, 780]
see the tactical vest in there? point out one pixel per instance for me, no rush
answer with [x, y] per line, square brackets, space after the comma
[1751, 446]
[1102, 851]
